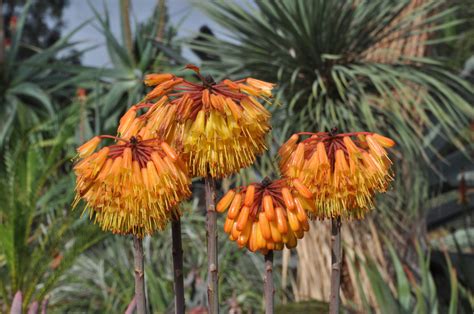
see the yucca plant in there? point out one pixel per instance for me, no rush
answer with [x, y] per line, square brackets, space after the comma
[40, 236]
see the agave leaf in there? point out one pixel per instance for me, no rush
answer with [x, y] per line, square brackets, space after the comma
[117, 52]
[385, 299]
[403, 285]
[34, 91]
[7, 114]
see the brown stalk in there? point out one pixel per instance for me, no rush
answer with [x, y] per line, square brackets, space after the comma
[336, 262]
[268, 281]
[212, 271]
[139, 275]
[178, 265]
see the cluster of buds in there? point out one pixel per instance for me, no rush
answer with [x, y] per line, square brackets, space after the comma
[266, 216]
[219, 127]
[132, 186]
[343, 171]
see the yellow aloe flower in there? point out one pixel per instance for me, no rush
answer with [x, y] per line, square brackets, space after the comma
[219, 127]
[132, 186]
[266, 216]
[343, 171]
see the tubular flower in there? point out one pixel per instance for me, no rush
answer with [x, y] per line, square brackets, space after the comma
[219, 127]
[265, 216]
[342, 171]
[130, 187]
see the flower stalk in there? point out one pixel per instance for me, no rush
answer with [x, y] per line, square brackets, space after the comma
[139, 275]
[212, 262]
[269, 286]
[126, 29]
[178, 265]
[336, 264]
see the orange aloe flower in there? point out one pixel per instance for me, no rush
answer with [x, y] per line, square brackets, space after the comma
[132, 186]
[219, 126]
[265, 216]
[343, 171]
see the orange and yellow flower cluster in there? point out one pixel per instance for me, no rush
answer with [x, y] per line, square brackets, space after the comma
[219, 127]
[266, 216]
[343, 171]
[132, 186]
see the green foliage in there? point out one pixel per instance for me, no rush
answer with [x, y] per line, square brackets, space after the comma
[457, 51]
[41, 237]
[28, 92]
[415, 289]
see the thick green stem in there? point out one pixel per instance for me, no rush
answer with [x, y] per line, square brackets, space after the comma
[336, 263]
[212, 263]
[139, 275]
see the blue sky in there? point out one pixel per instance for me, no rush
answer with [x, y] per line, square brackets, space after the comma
[79, 11]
